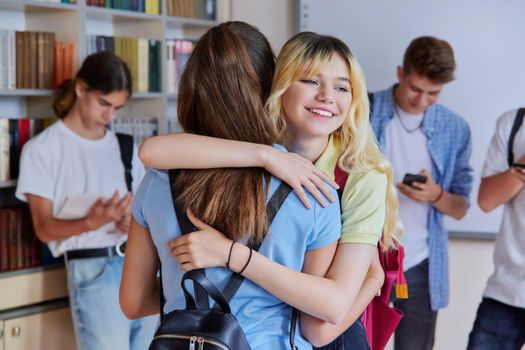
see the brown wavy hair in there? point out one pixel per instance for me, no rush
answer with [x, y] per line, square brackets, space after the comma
[430, 57]
[221, 94]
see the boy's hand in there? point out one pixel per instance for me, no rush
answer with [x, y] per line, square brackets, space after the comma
[423, 192]
[102, 213]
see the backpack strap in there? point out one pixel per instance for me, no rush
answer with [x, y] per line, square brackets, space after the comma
[125, 143]
[518, 120]
[340, 178]
[273, 206]
[201, 297]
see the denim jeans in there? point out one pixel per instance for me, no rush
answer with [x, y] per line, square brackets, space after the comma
[497, 326]
[417, 327]
[94, 298]
[354, 338]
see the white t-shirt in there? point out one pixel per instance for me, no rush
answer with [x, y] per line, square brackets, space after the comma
[58, 162]
[507, 283]
[407, 151]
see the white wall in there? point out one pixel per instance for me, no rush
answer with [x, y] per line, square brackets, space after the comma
[487, 37]
[274, 18]
[470, 266]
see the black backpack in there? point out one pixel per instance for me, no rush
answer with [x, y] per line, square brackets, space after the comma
[518, 120]
[125, 143]
[199, 327]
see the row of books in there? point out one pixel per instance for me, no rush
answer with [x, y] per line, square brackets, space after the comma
[205, 9]
[145, 6]
[19, 247]
[178, 52]
[34, 60]
[26, 59]
[14, 133]
[143, 57]
[140, 128]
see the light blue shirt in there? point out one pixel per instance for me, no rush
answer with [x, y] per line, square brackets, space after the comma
[449, 146]
[295, 229]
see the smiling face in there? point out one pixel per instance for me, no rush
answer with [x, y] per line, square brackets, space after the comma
[415, 93]
[96, 109]
[316, 105]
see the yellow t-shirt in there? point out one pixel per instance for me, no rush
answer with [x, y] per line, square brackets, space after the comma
[363, 202]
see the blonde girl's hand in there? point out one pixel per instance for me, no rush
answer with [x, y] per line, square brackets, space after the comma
[204, 248]
[301, 175]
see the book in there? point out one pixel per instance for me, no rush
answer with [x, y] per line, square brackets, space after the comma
[4, 150]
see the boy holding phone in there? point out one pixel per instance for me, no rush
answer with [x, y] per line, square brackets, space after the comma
[431, 146]
[500, 318]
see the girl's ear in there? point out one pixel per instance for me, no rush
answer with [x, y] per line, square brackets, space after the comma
[80, 88]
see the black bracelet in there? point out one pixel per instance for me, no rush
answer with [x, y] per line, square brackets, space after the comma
[229, 256]
[247, 262]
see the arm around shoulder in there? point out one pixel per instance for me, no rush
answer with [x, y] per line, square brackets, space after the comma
[189, 151]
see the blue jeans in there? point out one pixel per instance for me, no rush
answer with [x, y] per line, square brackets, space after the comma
[94, 298]
[354, 338]
[417, 327]
[497, 326]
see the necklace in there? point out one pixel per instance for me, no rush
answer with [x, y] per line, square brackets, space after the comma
[396, 111]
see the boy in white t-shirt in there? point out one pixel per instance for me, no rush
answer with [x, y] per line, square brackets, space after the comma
[77, 156]
[500, 321]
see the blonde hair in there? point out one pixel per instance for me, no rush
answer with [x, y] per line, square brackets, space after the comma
[304, 54]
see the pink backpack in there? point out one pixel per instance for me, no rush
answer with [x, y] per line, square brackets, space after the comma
[379, 318]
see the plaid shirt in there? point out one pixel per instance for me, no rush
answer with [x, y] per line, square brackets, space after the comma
[449, 147]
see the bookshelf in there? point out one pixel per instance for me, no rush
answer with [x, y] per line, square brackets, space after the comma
[74, 23]
[33, 301]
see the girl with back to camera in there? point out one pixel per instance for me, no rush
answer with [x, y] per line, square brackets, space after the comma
[76, 156]
[222, 90]
[319, 96]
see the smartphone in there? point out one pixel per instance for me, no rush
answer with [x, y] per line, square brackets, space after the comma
[518, 165]
[408, 179]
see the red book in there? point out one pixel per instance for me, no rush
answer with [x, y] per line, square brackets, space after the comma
[23, 133]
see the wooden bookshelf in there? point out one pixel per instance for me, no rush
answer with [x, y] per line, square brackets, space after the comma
[26, 92]
[33, 302]
[75, 22]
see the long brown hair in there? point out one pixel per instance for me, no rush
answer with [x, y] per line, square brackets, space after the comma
[221, 95]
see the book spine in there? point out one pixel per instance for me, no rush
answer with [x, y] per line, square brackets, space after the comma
[4, 243]
[13, 148]
[4, 149]
[33, 60]
[41, 62]
[3, 58]
[20, 58]
[12, 60]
